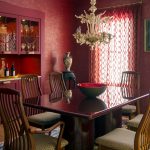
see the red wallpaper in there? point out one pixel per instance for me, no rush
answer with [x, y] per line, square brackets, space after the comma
[58, 33]
[60, 23]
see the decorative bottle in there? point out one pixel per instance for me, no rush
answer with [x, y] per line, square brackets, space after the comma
[67, 61]
[12, 70]
[6, 71]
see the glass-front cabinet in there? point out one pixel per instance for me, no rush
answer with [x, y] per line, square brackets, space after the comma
[29, 31]
[21, 41]
[19, 35]
[8, 32]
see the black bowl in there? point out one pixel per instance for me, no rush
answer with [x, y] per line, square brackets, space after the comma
[92, 89]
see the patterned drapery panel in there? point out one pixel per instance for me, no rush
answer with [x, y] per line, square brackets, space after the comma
[108, 61]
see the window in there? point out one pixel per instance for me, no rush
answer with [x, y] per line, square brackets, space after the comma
[109, 60]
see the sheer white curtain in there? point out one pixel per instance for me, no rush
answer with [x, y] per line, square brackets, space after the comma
[109, 60]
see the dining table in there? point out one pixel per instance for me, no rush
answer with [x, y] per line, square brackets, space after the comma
[87, 118]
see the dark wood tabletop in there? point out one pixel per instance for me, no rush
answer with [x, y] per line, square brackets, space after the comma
[79, 105]
[86, 118]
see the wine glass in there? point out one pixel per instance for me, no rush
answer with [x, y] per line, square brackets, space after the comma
[33, 47]
[28, 46]
[23, 45]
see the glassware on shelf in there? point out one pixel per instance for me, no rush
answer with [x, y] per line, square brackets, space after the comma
[33, 47]
[23, 46]
[26, 29]
[28, 46]
[7, 34]
[30, 35]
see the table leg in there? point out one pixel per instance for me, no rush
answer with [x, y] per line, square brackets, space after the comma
[81, 132]
[81, 136]
[84, 131]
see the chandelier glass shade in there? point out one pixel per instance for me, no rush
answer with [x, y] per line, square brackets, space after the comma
[93, 36]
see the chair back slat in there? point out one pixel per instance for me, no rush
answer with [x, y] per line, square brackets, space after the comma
[14, 121]
[30, 88]
[57, 84]
[142, 137]
[130, 86]
[130, 79]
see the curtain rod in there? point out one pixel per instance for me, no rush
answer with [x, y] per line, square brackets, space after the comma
[140, 2]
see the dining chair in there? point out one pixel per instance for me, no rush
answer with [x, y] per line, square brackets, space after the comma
[57, 84]
[124, 139]
[38, 118]
[131, 79]
[132, 124]
[18, 133]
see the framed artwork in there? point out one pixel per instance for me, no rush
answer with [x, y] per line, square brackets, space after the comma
[147, 35]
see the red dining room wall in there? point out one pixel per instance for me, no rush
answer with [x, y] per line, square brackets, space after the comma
[143, 63]
[60, 24]
[58, 35]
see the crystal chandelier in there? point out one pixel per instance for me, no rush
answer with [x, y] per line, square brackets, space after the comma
[93, 36]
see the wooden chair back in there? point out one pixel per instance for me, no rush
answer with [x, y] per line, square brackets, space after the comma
[130, 79]
[30, 86]
[15, 123]
[57, 85]
[142, 137]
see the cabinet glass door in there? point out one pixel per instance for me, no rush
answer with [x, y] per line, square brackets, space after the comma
[8, 27]
[29, 36]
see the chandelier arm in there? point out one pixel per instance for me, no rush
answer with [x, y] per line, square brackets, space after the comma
[93, 36]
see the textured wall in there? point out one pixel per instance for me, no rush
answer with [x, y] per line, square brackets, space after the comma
[58, 32]
[60, 23]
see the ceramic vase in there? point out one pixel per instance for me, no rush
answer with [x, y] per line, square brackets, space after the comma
[67, 61]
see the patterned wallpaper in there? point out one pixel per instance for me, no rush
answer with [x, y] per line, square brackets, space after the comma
[58, 31]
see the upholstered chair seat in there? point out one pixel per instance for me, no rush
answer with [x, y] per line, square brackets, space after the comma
[130, 79]
[128, 109]
[134, 123]
[44, 119]
[124, 139]
[19, 135]
[119, 139]
[44, 142]
[31, 90]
